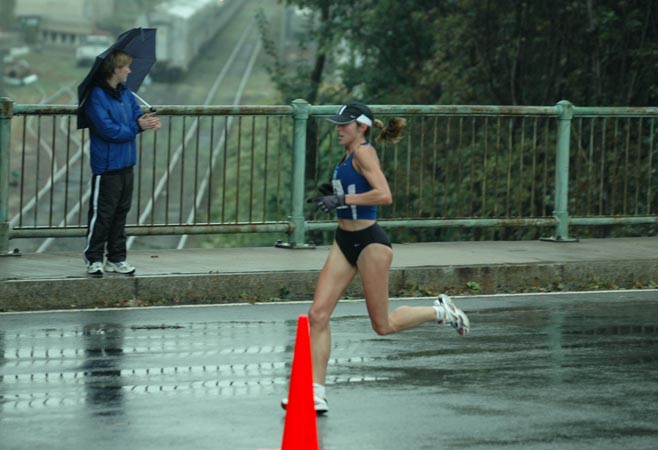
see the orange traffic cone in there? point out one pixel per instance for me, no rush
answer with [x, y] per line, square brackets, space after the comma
[300, 431]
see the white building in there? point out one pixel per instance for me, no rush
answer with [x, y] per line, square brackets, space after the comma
[63, 23]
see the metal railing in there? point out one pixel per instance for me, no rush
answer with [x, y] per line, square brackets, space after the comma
[249, 169]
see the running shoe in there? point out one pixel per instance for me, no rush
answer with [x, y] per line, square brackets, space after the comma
[454, 316]
[121, 267]
[321, 404]
[95, 268]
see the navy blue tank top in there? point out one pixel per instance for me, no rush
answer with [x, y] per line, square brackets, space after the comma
[346, 180]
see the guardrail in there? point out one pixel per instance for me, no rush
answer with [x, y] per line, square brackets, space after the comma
[249, 169]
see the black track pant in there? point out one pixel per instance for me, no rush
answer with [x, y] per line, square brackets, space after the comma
[111, 196]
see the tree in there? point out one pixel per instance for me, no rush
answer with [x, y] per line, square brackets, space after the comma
[303, 76]
[507, 52]
[297, 78]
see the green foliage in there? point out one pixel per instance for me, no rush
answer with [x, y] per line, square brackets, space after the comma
[300, 75]
[474, 286]
[509, 52]
[502, 52]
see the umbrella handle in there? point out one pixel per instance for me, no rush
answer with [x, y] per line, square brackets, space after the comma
[148, 105]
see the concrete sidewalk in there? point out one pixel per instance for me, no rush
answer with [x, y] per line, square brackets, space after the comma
[193, 276]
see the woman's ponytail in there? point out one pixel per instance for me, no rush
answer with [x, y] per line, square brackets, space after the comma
[392, 132]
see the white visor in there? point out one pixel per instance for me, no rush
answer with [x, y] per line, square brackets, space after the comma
[364, 120]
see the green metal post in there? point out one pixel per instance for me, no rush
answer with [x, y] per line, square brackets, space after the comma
[561, 212]
[301, 113]
[6, 113]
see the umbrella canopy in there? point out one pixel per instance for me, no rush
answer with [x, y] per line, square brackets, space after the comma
[138, 43]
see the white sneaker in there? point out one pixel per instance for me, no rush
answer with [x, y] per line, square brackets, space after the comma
[454, 316]
[321, 404]
[95, 268]
[119, 267]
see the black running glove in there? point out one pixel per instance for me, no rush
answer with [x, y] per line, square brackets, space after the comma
[327, 203]
[326, 189]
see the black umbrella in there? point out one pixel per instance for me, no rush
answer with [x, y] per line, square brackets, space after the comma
[138, 43]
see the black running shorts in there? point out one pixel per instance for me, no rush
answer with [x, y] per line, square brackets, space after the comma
[352, 243]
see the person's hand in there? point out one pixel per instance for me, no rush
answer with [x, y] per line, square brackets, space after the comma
[327, 203]
[149, 121]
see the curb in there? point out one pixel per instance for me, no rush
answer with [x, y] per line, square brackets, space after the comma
[217, 288]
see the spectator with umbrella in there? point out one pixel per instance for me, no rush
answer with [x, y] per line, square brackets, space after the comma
[109, 108]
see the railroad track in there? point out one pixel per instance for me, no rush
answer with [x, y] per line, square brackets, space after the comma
[59, 193]
[241, 62]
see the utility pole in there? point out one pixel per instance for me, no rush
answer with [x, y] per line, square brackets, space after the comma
[3, 89]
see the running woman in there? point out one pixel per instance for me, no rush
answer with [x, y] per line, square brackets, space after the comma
[361, 245]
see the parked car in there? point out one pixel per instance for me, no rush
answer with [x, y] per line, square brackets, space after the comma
[19, 73]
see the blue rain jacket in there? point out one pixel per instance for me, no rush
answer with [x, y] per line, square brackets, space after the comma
[113, 115]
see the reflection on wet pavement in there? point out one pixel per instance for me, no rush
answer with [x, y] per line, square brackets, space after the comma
[103, 344]
[536, 372]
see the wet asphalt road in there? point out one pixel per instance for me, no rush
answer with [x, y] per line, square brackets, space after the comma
[568, 371]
